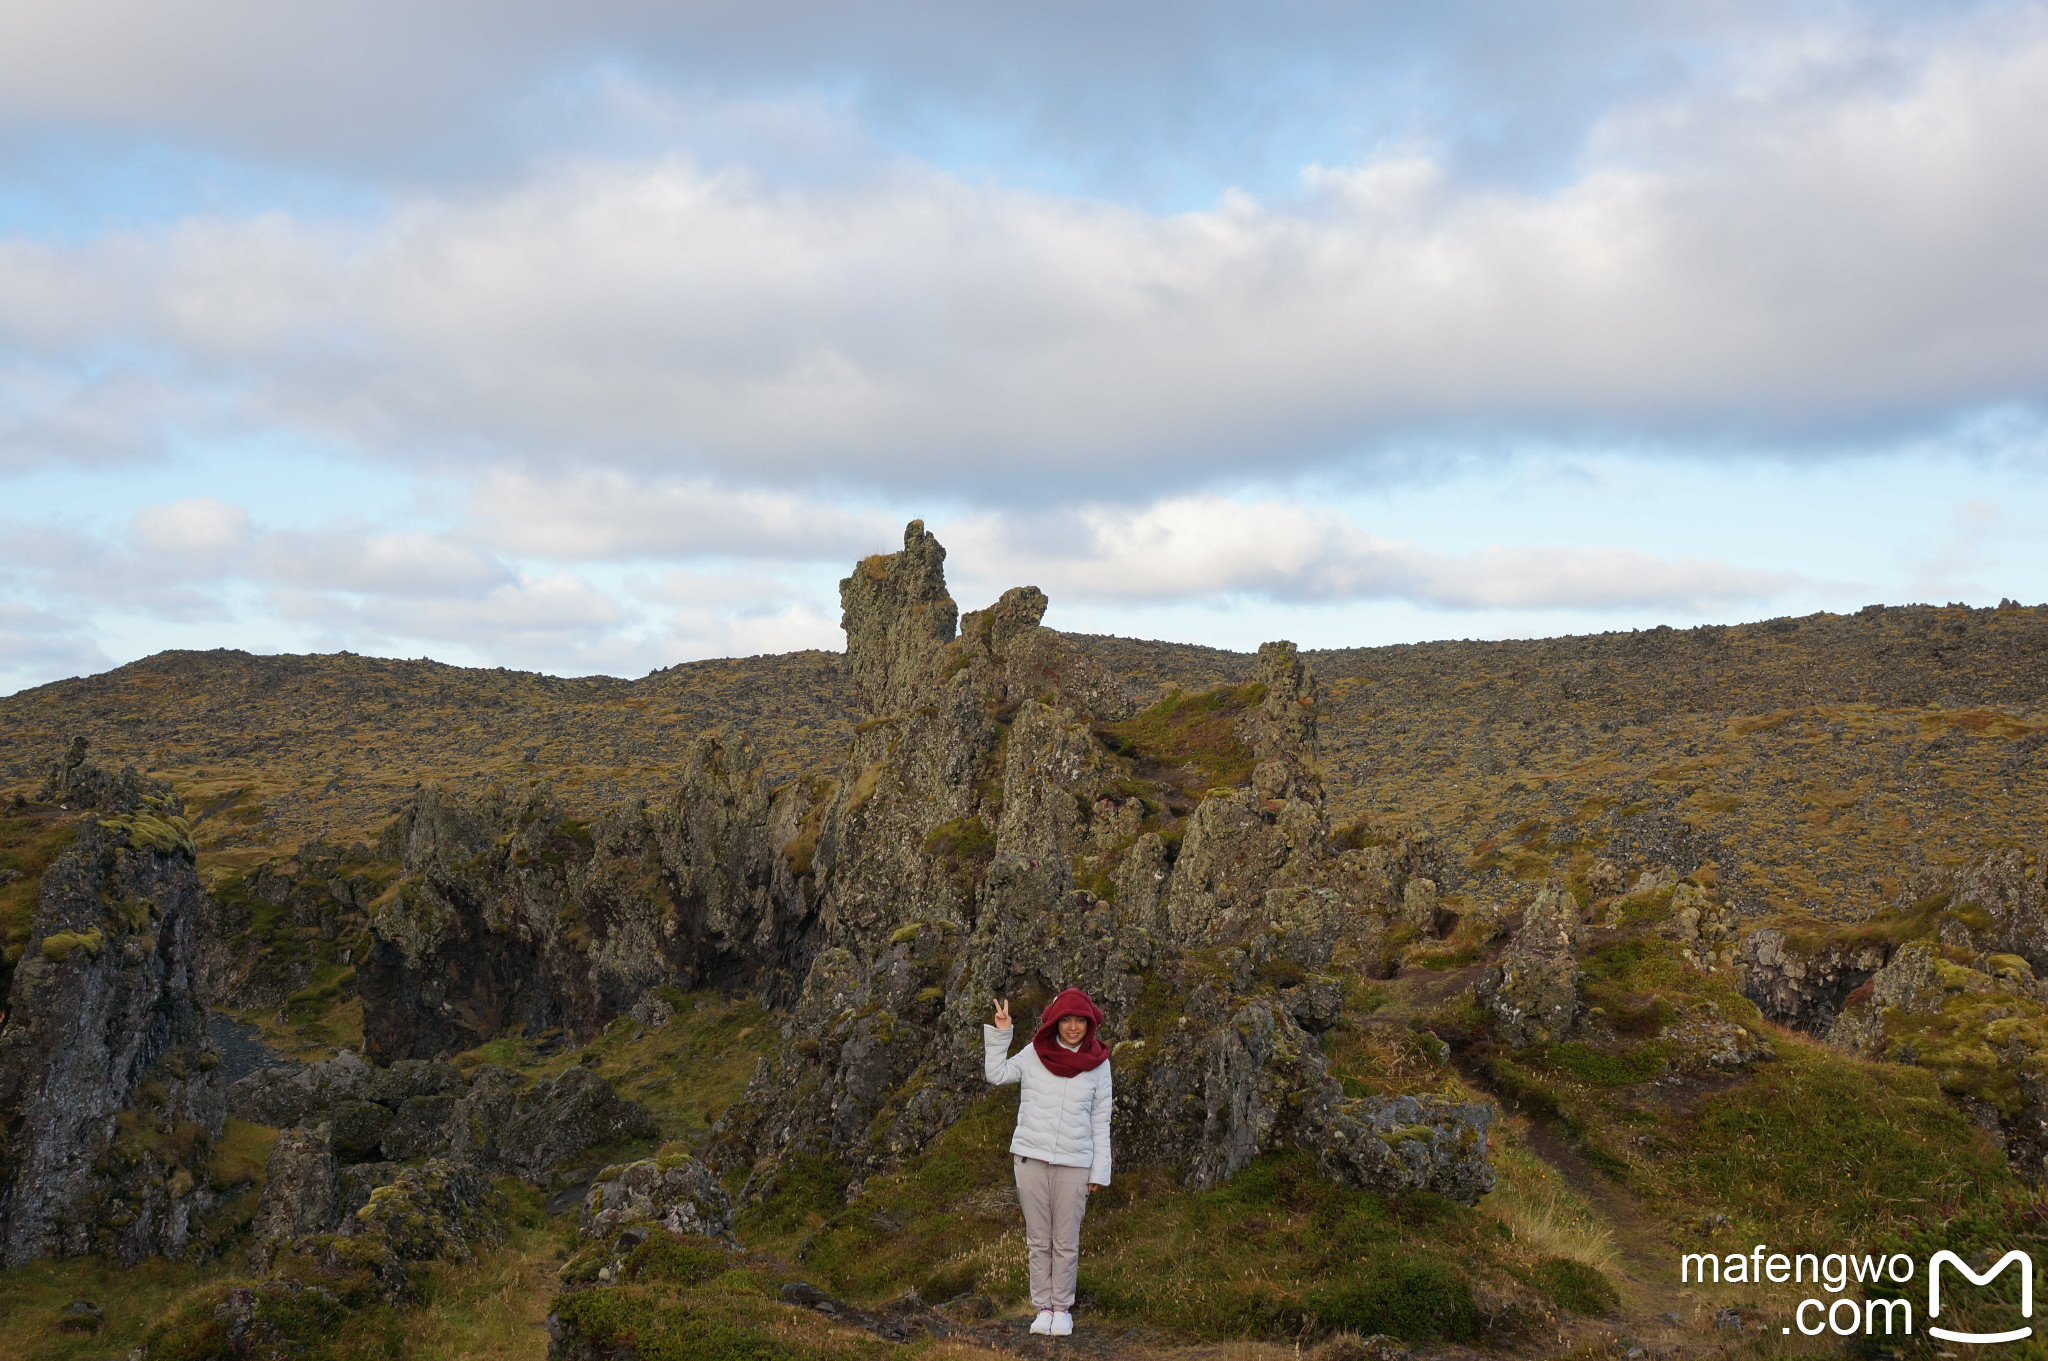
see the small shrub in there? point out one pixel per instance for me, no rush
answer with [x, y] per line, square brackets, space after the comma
[676, 1259]
[1575, 1287]
[1415, 1298]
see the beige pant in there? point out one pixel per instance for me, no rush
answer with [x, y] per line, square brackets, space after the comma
[1054, 1199]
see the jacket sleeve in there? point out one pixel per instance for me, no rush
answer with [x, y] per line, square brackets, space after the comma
[996, 1060]
[1098, 1172]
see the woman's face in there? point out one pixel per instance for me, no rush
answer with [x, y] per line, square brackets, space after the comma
[1073, 1029]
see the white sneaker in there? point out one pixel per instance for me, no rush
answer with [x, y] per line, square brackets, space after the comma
[1062, 1323]
[1043, 1323]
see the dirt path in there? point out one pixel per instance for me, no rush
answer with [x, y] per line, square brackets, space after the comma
[1647, 1253]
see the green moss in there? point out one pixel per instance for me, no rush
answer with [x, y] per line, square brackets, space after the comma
[963, 847]
[239, 1155]
[1891, 1145]
[325, 1327]
[724, 1326]
[1984, 1042]
[32, 1299]
[164, 833]
[57, 948]
[1281, 1244]
[1603, 1067]
[1197, 731]
[1096, 875]
[676, 1259]
[1979, 1231]
[903, 1228]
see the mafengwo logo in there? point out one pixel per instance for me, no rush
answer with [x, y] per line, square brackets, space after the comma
[1876, 1315]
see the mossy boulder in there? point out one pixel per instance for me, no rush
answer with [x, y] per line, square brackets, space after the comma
[444, 1210]
[1533, 989]
[677, 1192]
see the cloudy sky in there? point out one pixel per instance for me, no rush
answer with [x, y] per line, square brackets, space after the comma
[599, 336]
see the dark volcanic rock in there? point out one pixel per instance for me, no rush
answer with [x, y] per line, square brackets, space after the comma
[109, 1084]
[444, 1210]
[1801, 981]
[512, 917]
[375, 1112]
[416, 1108]
[324, 893]
[559, 1118]
[299, 1192]
[992, 831]
[979, 786]
[1533, 990]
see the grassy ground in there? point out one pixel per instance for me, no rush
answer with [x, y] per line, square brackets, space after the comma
[1587, 1219]
[322, 747]
[1259, 1256]
[686, 1071]
[1812, 1147]
[1809, 758]
[33, 1297]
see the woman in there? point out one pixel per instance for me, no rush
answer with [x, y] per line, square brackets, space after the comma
[1061, 1150]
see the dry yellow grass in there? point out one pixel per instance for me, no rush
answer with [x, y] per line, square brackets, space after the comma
[493, 1309]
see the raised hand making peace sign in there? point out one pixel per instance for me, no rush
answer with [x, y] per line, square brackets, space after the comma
[1002, 1021]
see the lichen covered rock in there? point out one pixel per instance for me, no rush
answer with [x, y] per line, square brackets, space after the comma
[1206, 952]
[1533, 989]
[109, 1085]
[679, 1193]
[1408, 1143]
[1803, 979]
[415, 1108]
[444, 1210]
[511, 916]
[299, 1192]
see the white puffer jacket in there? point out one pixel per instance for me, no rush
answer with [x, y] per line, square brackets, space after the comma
[1063, 1120]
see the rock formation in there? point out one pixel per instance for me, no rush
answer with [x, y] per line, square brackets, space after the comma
[1948, 977]
[300, 1192]
[412, 1109]
[1533, 988]
[108, 1083]
[1802, 981]
[1004, 825]
[512, 917]
[678, 1193]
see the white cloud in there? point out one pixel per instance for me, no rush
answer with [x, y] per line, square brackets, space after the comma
[73, 411]
[37, 646]
[1813, 255]
[517, 614]
[196, 526]
[67, 569]
[703, 632]
[1129, 89]
[1192, 547]
[600, 514]
[357, 558]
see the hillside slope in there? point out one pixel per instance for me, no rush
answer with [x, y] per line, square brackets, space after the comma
[1812, 761]
[1455, 916]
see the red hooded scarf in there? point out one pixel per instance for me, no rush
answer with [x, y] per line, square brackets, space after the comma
[1057, 1058]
